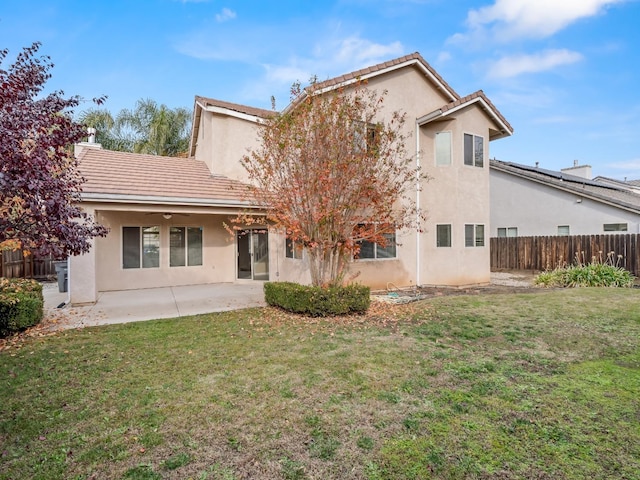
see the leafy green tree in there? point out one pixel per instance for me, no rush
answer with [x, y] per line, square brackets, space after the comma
[108, 133]
[147, 128]
[156, 129]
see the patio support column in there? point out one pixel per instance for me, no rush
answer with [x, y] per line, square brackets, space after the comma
[82, 274]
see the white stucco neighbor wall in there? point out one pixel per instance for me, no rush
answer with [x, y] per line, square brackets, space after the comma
[536, 209]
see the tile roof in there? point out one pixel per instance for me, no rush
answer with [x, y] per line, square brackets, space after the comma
[171, 178]
[236, 107]
[469, 98]
[398, 62]
[611, 194]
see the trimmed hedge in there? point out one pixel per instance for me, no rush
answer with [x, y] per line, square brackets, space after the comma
[21, 304]
[317, 301]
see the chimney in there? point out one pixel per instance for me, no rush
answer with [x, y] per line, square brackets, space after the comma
[582, 171]
[90, 143]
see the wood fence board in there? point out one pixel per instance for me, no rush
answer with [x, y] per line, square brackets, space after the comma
[542, 253]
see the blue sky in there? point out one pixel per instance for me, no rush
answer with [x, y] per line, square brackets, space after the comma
[565, 73]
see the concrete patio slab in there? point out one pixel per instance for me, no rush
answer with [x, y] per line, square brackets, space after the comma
[151, 303]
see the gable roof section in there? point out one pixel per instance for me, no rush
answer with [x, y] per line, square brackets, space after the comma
[221, 107]
[131, 177]
[608, 194]
[415, 59]
[477, 98]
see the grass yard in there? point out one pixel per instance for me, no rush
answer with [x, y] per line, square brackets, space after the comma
[542, 385]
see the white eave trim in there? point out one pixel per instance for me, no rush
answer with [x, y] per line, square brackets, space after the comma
[160, 200]
[382, 71]
[231, 113]
[484, 105]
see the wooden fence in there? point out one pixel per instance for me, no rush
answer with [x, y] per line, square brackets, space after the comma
[15, 265]
[542, 253]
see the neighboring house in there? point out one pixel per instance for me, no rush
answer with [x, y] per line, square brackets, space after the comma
[532, 201]
[167, 216]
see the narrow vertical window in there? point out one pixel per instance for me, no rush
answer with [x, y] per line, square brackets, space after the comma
[130, 247]
[194, 246]
[468, 149]
[150, 247]
[443, 148]
[177, 242]
[443, 235]
[473, 150]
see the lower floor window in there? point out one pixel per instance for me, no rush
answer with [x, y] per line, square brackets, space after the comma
[473, 235]
[563, 230]
[443, 235]
[185, 246]
[373, 250]
[507, 232]
[141, 247]
[293, 249]
[615, 227]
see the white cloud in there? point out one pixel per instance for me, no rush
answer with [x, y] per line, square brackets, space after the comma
[225, 15]
[514, 65]
[625, 170]
[507, 20]
[331, 58]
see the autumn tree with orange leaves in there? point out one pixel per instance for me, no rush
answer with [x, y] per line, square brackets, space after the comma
[332, 171]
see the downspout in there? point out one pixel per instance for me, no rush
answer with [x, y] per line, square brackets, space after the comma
[418, 225]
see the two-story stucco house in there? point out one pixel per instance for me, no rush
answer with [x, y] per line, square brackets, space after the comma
[167, 215]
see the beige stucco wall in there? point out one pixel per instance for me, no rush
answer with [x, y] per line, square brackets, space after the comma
[218, 252]
[223, 141]
[456, 194]
[536, 209]
[82, 273]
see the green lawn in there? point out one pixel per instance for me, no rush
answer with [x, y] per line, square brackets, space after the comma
[542, 385]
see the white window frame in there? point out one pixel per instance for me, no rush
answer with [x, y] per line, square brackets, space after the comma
[443, 140]
[477, 240]
[141, 246]
[475, 162]
[439, 242]
[561, 231]
[392, 242]
[507, 232]
[615, 227]
[292, 249]
[186, 258]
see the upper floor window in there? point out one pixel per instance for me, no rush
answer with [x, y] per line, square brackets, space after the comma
[293, 249]
[141, 247]
[443, 235]
[185, 246]
[366, 137]
[443, 148]
[473, 150]
[563, 230]
[507, 232]
[473, 235]
[615, 227]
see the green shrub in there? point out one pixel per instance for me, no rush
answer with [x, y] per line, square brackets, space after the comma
[317, 301]
[21, 304]
[597, 273]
